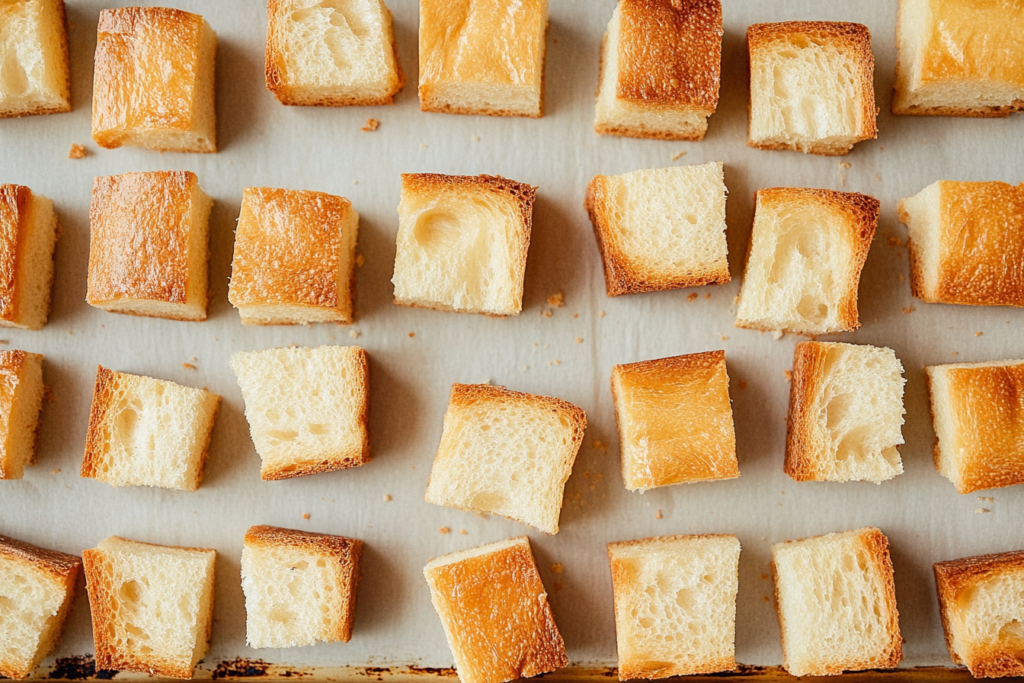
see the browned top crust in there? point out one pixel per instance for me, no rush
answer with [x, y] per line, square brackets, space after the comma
[15, 204]
[469, 394]
[60, 566]
[522, 194]
[345, 550]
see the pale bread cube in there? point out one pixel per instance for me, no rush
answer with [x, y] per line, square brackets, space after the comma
[34, 54]
[21, 399]
[28, 236]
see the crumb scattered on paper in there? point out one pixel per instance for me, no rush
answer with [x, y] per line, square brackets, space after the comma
[842, 180]
[411, 335]
[909, 309]
[360, 261]
[978, 334]
[765, 598]
[708, 295]
[599, 445]
[788, 374]
[895, 241]
[387, 497]
[579, 340]
[901, 277]
[558, 585]
[305, 515]
[981, 499]
[764, 577]
[554, 362]
[742, 384]
[557, 300]
[445, 531]
[658, 515]
[602, 314]
[956, 353]
[55, 472]
[189, 366]
[422, 146]
[981, 511]
[845, 164]
[556, 568]
[354, 334]
[725, 338]
[692, 296]
[546, 313]
[48, 395]
[678, 155]
[878, 177]
[77, 152]
[526, 367]
[371, 125]
[476, 138]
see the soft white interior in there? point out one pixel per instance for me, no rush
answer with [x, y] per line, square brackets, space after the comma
[33, 65]
[989, 616]
[460, 555]
[923, 215]
[24, 393]
[30, 602]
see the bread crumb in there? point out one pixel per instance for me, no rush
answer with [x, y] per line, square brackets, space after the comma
[576, 315]
[463, 532]
[895, 241]
[355, 182]
[981, 511]
[724, 338]
[909, 309]
[387, 497]
[371, 125]
[579, 340]
[901, 277]
[981, 499]
[422, 146]
[599, 445]
[742, 384]
[556, 568]
[764, 577]
[602, 314]
[554, 362]
[956, 353]
[5, 341]
[878, 177]
[765, 598]
[526, 367]
[692, 296]
[678, 155]
[476, 138]
[305, 515]
[842, 180]
[845, 164]
[557, 300]
[978, 334]
[881, 148]
[558, 585]
[546, 313]
[189, 366]
[788, 374]
[411, 335]
[55, 472]
[445, 530]
[708, 295]
[360, 261]
[354, 334]
[48, 395]
[77, 152]
[658, 515]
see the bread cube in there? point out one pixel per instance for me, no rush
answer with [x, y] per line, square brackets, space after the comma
[661, 228]
[28, 236]
[811, 86]
[306, 408]
[675, 420]
[836, 603]
[483, 57]
[152, 606]
[661, 63]
[806, 252]
[34, 53]
[675, 605]
[148, 246]
[310, 238]
[982, 604]
[300, 587]
[966, 243]
[845, 413]
[978, 412]
[21, 399]
[148, 432]
[495, 612]
[153, 83]
[332, 54]
[37, 587]
[462, 243]
[959, 58]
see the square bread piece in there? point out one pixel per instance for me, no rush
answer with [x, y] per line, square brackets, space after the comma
[959, 58]
[37, 587]
[836, 603]
[845, 413]
[495, 612]
[675, 420]
[966, 243]
[300, 587]
[982, 604]
[506, 453]
[804, 259]
[310, 237]
[660, 228]
[153, 83]
[34, 52]
[306, 408]
[21, 399]
[332, 54]
[483, 57]
[148, 432]
[978, 413]
[675, 605]
[152, 606]
[149, 245]
[661, 63]
[462, 243]
[811, 86]
[28, 236]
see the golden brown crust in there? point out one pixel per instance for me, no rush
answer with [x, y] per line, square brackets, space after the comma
[808, 372]
[15, 204]
[63, 107]
[105, 387]
[645, 134]
[60, 566]
[12, 369]
[468, 394]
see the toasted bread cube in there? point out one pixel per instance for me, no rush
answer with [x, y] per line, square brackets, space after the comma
[21, 399]
[152, 606]
[149, 245]
[959, 58]
[675, 420]
[506, 453]
[836, 603]
[806, 252]
[34, 54]
[320, 573]
[153, 83]
[462, 243]
[978, 411]
[675, 605]
[981, 600]
[332, 54]
[483, 57]
[966, 243]
[845, 413]
[661, 63]
[28, 236]
[811, 86]
[37, 587]
[495, 612]
[306, 408]
[310, 238]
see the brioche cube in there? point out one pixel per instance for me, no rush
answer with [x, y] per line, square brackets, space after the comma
[152, 606]
[966, 243]
[661, 64]
[845, 413]
[836, 603]
[332, 54]
[675, 420]
[483, 57]
[37, 587]
[34, 54]
[660, 228]
[310, 238]
[675, 605]
[978, 412]
[300, 587]
[495, 612]
[506, 453]
[306, 408]
[153, 83]
[28, 236]
[148, 246]
[21, 399]
[462, 243]
[806, 252]
[811, 86]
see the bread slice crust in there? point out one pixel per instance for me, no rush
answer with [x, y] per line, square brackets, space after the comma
[21, 400]
[29, 230]
[62, 58]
